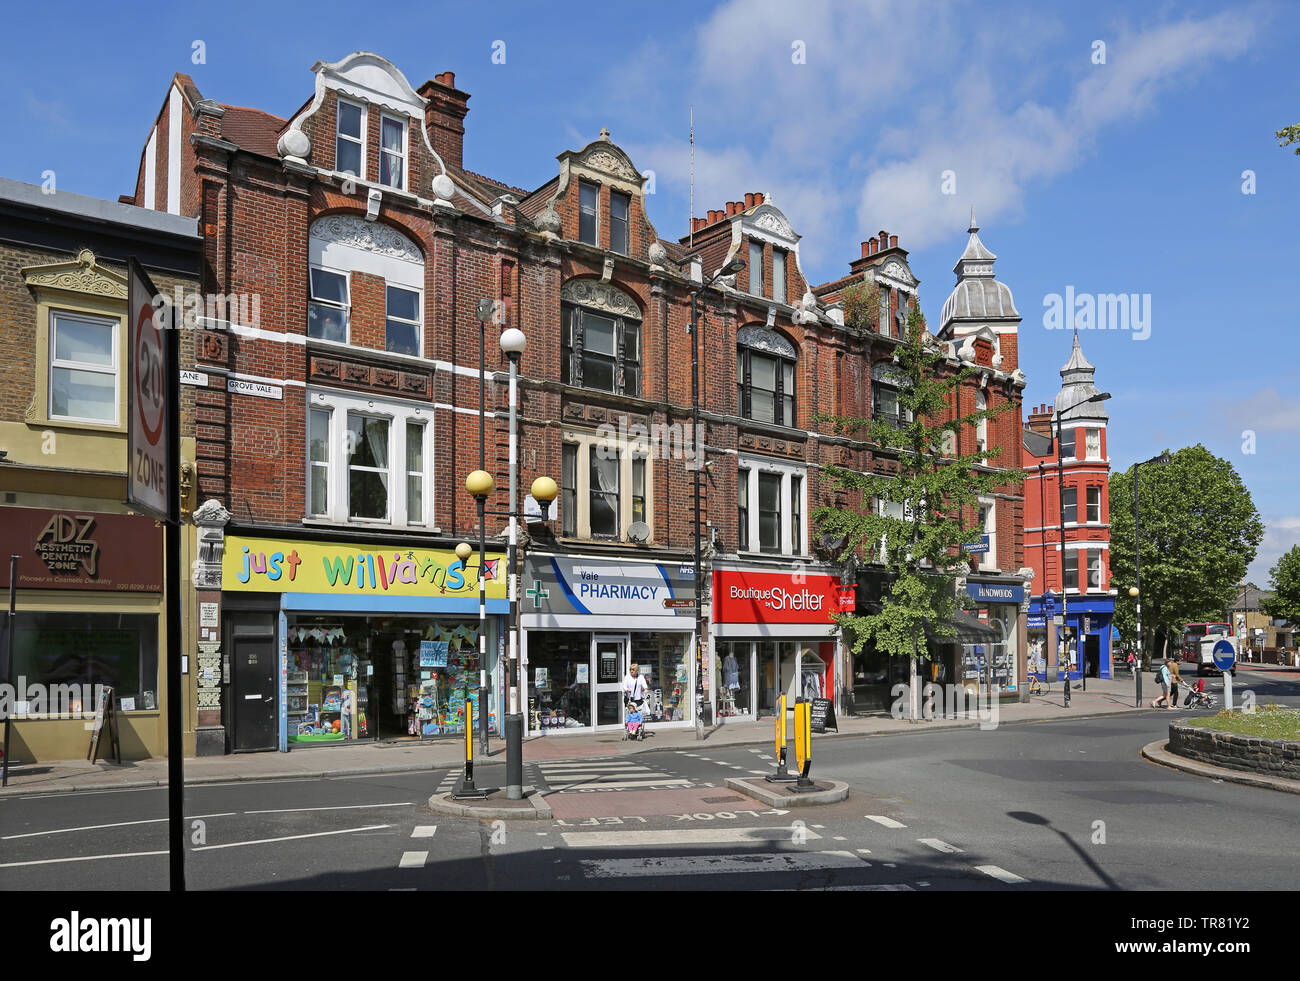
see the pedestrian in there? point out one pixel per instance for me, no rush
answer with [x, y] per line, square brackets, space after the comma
[1162, 679]
[635, 687]
[1174, 680]
[1132, 665]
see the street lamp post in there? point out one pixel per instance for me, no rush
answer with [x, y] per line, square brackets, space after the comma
[480, 484]
[1136, 591]
[1060, 489]
[513, 343]
[734, 266]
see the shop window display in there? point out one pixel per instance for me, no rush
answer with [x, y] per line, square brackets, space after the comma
[662, 658]
[559, 679]
[733, 673]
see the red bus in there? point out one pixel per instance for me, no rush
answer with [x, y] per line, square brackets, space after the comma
[1193, 634]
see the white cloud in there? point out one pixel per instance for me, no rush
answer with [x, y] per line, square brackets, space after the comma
[1280, 536]
[1262, 411]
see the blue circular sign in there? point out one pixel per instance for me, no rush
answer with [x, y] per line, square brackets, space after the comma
[1224, 655]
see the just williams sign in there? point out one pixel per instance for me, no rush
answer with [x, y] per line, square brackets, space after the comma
[74, 549]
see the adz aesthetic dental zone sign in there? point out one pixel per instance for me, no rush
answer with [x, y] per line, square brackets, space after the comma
[556, 584]
[775, 597]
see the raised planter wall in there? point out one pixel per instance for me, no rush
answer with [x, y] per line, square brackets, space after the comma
[1271, 757]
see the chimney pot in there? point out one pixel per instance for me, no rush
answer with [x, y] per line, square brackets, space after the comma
[893, 241]
[866, 249]
[749, 200]
[875, 245]
[449, 79]
[731, 208]
[884, 239]
[758, 198]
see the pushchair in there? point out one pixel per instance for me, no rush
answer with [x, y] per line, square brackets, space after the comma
[634, 728]
[1198, 697]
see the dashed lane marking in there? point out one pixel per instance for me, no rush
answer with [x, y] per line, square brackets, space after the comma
[939, 846]
[1002, 875]
[413, 860]
[887, 822]
[423, 830]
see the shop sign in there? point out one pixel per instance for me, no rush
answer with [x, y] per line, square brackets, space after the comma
[848, 597]
[272, 565]
[774, 597]
[979, 548]
[79, 550]
[558, 584]
[988, 592]
[1036, 623]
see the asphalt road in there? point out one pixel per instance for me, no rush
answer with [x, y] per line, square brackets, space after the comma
[1062, 805]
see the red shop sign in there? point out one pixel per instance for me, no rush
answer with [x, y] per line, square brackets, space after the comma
[774, 597]
[75, 549]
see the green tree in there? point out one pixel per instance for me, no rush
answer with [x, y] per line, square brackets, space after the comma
[1284, 581]
[1199, 532]
[936, 495]
[1288, 135]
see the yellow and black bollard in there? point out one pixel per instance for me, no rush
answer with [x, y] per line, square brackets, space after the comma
[782, 775]
[465, 790]
[803, 745]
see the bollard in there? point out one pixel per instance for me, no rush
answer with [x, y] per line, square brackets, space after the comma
[782, 775]
[803, 744]
[466, 790]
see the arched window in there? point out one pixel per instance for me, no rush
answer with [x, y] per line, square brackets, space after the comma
[765, 376]
[887, 385]
[600, 338]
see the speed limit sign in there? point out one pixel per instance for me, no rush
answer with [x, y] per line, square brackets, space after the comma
[151, 382]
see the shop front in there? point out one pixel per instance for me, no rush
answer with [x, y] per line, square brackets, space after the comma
[1083, 640]
[329, 642]
[773, 635]
[586, 620]
[990, 665]
[90, 625]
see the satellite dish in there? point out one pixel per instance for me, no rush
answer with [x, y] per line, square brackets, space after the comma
[639, 532]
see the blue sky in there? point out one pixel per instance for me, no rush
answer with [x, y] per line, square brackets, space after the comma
[1117, 177]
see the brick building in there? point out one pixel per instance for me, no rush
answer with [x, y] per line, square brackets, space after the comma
[337, 430]
[1080, 485]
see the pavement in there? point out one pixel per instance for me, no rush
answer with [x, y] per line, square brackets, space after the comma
[1103, 698]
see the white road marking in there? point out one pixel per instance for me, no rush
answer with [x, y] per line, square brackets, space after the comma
[864, 851]
[875, 887]
[679, 836]
[79, 858]
[423, 830]
[758, 773]
[413, 860]
[939, 846]
[269, 841]
[621, 785]
[757, 752]
[1002, 875]
[621, 765]
[886, 821]
[120, 824]
[341, 807]
[613, 868]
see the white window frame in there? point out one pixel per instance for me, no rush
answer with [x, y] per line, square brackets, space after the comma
[417, 323]
[1101, 569]
[755, 466]
[1092, 443]
[422, 518]
[588, 443]
[397, 413]
[989, 559]
[582, 185]
[328, 462]
[405, 154]
[339, 135]
[346, 308]
[981, 425]
[1091, 488]
[115, 327]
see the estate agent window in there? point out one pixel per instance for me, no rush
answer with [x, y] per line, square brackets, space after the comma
[765, 376]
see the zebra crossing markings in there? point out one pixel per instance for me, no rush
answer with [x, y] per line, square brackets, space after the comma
[939, 846]
[1001, 874]
[413, 860]
[619, 775]
[887, 822]
[681, 836]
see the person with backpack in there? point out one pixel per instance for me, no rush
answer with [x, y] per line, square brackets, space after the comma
[1162, 679]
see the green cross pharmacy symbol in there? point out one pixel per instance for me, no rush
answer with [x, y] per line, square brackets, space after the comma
[538, 594]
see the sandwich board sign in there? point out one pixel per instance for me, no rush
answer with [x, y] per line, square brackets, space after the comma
[151, 381]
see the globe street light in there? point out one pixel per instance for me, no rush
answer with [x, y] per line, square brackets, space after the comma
[513, 344]
[480, 484]
[731, 268]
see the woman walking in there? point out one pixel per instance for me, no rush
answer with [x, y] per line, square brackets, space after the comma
[1162, 679]
[1174, 680]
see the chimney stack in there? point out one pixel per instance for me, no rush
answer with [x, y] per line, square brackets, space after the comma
[444, 117]
[893, 241]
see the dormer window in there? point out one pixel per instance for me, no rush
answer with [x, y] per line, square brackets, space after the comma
[620, 207]
[588, 213]
[349, 145]
[392, 152]
[756, 268]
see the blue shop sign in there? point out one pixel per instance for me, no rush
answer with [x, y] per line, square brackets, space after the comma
[987, 592]
[1036, 623]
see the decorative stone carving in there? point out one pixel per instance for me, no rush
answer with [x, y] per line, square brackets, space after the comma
[358, 373]
[897, 271]
[414, 384]
[210, 518]
[295, 145]
[325, 367]
[443, 189]
[548, 222]
[211, 346]
[805, 310]
[611, 163]
[658, 254]
[370, 236]
[83, 275]
[385, 377]
[762, 339]
[600, 296]
[772, 222]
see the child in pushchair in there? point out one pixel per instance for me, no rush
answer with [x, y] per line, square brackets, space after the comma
[635, 725]
[1198, 696]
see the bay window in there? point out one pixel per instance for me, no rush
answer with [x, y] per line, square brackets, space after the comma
[606, 485]
[776, 525]
[1094, 569]
[1071, 570]
[1067, 443]
[1092, 443]
[368, 460]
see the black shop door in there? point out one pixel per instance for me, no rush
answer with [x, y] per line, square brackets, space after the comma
[253, 690]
